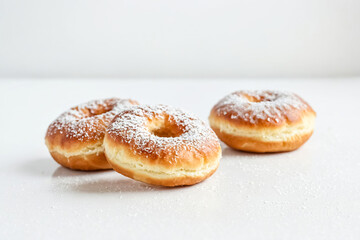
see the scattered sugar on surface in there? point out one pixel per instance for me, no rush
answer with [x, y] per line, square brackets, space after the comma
[270, 106]
[78, 122]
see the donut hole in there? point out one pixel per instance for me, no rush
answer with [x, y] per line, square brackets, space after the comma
[90, 112]
[252, 99]
[258, 99]
[164, 129]
[165, 132]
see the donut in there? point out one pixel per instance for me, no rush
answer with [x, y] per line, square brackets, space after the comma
[161, 145]
[263, 121]
[75, 138]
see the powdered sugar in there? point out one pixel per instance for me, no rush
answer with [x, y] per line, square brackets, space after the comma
[131, 126]
[255, 106]
[88, 120]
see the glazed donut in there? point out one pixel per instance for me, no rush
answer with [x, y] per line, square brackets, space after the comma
[161, 145]
[263, 121]
[75, 138]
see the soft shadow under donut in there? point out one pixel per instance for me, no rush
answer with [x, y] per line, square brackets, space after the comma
[230, 152]
[119, 185]
[37, 167]
[99, 182]
[65, 172]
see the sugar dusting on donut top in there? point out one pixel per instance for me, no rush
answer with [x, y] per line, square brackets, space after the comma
[88, 121]
[131, 127]
[253, 107]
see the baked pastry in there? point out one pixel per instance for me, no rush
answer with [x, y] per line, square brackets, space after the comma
[263, 121]
[161, 145]
[75, 138]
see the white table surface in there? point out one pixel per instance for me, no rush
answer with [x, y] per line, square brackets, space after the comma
[311, 193]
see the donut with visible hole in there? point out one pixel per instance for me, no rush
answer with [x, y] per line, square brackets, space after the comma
[161, 145]
[75, 138]
[263, 121]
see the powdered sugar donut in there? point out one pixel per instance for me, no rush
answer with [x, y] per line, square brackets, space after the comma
[161, 145]
[263, 121]
[75, 138]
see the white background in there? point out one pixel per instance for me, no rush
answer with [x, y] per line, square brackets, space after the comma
[181, 38]
[311, 193]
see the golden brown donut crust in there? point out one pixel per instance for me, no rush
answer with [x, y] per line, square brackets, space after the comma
[75, 138]
[263, 121]
[169, 182]
[251, 145]
[161, 145]
[89, 162]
